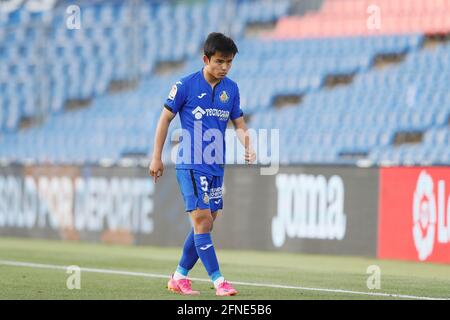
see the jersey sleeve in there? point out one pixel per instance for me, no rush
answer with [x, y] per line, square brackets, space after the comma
[236, 111]
[176, 98]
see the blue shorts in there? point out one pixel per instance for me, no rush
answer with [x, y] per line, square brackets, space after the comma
[200, 190]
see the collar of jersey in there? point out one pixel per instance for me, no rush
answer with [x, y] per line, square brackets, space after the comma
[207, 83]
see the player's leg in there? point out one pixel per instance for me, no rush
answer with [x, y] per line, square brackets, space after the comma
[195, 188]
[179, 282]
[202, 221]
[223, 288]
[189, 256]
[214, 216]
[191, 187]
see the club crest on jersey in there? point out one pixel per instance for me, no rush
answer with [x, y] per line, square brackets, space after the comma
[206, 198]
[224, 97]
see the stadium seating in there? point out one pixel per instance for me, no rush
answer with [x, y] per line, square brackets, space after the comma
[44, 64]
[343, 125]
[68, 136]
[351, 17]
[365, 116]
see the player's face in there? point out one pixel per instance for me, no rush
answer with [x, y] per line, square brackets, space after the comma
[219, 64]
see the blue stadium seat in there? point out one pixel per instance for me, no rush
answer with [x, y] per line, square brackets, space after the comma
[361, 117]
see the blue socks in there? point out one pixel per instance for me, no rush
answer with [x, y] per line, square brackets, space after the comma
[206, 252]
[195, 246]
[189, 256]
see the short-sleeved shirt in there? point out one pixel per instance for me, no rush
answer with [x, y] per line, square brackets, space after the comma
[204, 113]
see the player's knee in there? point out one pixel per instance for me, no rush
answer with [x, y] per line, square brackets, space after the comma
[203, 225]
[206, 225]
[202, 221]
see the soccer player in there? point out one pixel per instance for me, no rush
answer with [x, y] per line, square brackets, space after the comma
[205, 100]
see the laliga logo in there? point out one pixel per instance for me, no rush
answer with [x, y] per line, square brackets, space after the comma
[425, 211]
[424, 216]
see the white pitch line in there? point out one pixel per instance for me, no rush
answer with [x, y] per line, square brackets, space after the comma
[265, 285]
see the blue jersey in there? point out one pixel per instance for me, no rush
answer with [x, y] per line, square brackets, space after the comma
[204, 113]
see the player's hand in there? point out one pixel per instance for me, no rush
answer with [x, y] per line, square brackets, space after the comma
[250, 156]
[156, 169]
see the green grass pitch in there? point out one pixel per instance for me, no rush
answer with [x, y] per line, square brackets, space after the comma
[299, 276]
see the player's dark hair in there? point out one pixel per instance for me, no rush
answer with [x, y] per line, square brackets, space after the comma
[219, 42]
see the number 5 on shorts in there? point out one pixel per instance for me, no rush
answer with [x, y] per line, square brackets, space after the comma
[204, 183]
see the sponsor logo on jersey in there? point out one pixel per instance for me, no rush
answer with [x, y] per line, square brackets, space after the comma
[215, 193]
[223, 115]
[198, 113]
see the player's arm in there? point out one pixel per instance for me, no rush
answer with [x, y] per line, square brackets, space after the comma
[244, 138]
[156, 167]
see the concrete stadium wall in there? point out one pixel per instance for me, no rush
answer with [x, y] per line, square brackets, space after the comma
[329, 210]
